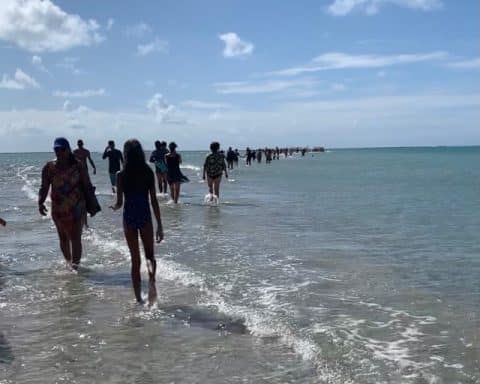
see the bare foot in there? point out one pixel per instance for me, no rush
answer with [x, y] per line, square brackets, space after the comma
[152, 293]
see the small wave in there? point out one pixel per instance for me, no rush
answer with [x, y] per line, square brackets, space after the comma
[29, 185]
[191, 167]
[258, 322]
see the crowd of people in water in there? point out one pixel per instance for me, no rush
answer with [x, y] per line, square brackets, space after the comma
[133, 182]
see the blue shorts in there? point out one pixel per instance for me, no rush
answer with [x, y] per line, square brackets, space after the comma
[113, 179]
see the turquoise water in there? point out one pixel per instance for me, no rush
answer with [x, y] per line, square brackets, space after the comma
[358, 266]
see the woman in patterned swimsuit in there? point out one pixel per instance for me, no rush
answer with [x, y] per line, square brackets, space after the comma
[68, 179]
[214, 166]
[137, 184]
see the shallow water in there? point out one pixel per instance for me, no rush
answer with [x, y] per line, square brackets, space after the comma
[356, 266]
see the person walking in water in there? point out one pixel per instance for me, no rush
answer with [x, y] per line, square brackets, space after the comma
[174, 175]
[213, 167]
[230, 158]
[135, 187]
[115, 160]
[248, 156]
[69, 180]
[82, 154]
[158, 158]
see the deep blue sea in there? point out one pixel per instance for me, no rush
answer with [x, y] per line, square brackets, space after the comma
[350, 266]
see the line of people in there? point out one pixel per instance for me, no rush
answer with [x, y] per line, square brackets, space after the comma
[73, 196]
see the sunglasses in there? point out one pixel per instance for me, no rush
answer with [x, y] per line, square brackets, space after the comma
[60, 149]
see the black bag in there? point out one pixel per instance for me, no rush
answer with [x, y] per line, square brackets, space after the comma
[92, 204]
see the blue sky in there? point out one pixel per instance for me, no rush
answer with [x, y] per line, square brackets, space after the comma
[338, 73]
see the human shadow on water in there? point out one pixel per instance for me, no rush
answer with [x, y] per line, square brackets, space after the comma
[6, 354]
[202, 317]
[121, 279]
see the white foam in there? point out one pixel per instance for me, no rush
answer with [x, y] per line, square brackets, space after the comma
[191, 167]
[28, 186]
[211, 199]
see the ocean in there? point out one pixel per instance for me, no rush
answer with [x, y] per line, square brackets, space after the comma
[349, 266]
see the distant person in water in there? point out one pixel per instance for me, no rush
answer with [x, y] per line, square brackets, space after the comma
[268, 155]
[158, 158]
[136, 183]
[237, 157]
[82, 154]
[259, 156]
[69, 180]
[115, 160]
[248, 155]
[230, 158]
[174, 175]
[3, 222]
[213, 167]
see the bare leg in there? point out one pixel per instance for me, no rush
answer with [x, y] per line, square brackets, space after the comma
[64, 243]
[131, 235]
[172, 191]
[159, 181]
[164, 178]
[216, 185]
[210, 185]
[176, 192]
[76, 239]
[146, 234]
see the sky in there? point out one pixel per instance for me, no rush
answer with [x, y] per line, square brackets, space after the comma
[333, 73]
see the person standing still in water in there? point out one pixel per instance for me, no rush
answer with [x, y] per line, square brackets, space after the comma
[158, 158]
[115, 160]
[82, 154]
[69, 180]
[136, 183]
[214, 167]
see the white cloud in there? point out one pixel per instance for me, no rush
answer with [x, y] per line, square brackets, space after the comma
[409, 119]
[157, 45]
[40, 26]
[20, 80]
[160, 107]
[80, 94]
[466, 64]
[234, 46]
[70, 64]
[338, 60]
[242, 87]
[110, 23]
[67, 106]
[138, 30]
[38, 63]
[371, 7]
[197, 104]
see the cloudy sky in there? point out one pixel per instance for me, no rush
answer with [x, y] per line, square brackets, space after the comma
[338, 73]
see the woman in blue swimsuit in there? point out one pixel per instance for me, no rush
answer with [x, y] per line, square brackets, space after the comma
[136, 184]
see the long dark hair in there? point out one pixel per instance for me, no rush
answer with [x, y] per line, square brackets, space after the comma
[138, 175]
